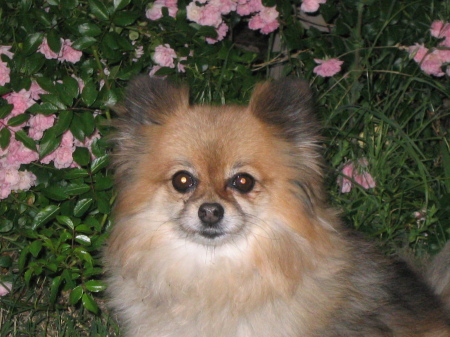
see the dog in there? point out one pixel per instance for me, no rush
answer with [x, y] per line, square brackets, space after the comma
[222, 229]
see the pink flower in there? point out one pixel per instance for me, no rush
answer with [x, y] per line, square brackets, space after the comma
[68, 53]
[44, 48]
[155, 11]
[351, 172]
[164, 56]
[21, 100]
[224, 6]
[154, 70]
[211, 16]
[36, 91]
[194, 12]
[19, 154]
[265, 20]
[311, 6]
[4, 73]
[327, 68]
[5, 288]
[6, 51]
[247, 7]
[38, 124]
[440, 29]
[62, 156]
[222, 31]
[417, 52]
[430, 62]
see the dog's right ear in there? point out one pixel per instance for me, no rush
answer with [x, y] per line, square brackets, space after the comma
[151, 100]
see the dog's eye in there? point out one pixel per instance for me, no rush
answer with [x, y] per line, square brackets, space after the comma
[243, 182]
[183, 181]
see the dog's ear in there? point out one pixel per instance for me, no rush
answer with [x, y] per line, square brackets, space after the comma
[151, 100]
[287, 105]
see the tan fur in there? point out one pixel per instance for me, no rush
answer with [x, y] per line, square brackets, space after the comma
[285, 267]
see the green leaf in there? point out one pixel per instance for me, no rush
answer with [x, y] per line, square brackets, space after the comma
[99, 9]
[81, 156]
[89, 303]
[55, 192]
[54, 40]
[89, 93]
[77, 128]
[75, 295]
[83, 239]
[99, 163]
[84, 42]
[95, 286]
[32, 43]
[5, 137]
[5, 225]
[44, 216]
[5, 110]
[119, 4]
[63, 122]
[82, 206]
[77, 189]
[49, 143]
[18, 120]
[76, 173]
[103, 183]
[103, 205]
[54, 289]
[65, 220]
[125, 18]
[5, 261]
[27, 141]
[87, 118]
[55, 100]
[89, 29]
[35, 248]
[43, 108]
[71, 86]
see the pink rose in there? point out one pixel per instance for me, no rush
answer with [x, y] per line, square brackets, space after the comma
[68, 53]
[4, 73]
[311, 6]
[440, 29]
[5, 288]
[155, 11]
[222, 31]
[38, 124]
[164, 56]
[357, 173]
[6, 51]
[44, 48]
[35, 91]
[327, 68]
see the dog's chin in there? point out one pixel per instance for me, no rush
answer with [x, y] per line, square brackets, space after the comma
[210, 236]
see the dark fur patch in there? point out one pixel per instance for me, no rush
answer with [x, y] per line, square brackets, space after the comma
[287, 104]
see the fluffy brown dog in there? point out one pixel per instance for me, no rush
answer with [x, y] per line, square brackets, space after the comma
[221, 228]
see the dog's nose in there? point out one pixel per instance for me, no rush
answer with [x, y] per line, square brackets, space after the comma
[210, 213]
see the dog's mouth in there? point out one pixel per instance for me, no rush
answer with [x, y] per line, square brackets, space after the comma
[211, 233]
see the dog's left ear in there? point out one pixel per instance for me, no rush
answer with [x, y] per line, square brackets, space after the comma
[287, 105]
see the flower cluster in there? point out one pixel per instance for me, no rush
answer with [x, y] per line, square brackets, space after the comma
[165, 56]
[210, 12]
[432, 60]
[355, 172]
[12, 178]
[66, 53]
